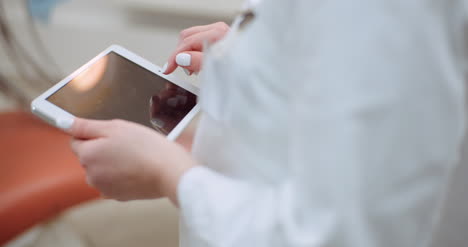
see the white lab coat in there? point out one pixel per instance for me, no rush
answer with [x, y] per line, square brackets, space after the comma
[328, 123]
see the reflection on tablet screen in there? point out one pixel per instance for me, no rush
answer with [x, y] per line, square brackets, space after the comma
[116, 88]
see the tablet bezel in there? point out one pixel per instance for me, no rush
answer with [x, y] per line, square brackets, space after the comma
[54, 114]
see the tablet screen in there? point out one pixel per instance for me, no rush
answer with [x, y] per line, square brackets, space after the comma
[116, 88]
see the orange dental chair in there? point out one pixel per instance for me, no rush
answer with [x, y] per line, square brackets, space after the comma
[39, 175]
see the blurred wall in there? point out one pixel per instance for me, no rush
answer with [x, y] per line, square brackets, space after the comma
[79, 29]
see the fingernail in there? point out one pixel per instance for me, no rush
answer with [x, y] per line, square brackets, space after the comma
[65, 123]
[183, 59]
[187, 71]
[164, 68]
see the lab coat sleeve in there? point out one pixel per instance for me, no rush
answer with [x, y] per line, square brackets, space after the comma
[375, 123]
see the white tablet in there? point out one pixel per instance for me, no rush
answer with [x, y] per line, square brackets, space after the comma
[118, 84]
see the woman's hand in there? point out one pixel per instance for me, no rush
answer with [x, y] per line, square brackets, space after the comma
[189, 51]
[127, 161]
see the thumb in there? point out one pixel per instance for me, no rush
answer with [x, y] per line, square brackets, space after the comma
[87, 129]
[190, 60]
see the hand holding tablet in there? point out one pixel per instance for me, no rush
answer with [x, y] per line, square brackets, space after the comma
[118, 84]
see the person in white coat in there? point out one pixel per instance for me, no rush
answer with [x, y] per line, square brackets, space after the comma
[325, 123]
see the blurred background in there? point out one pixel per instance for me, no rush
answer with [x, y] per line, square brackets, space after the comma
[38, 51]
[43, 198]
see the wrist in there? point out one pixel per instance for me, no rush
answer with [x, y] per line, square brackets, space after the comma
[171, 178]
[172, 189]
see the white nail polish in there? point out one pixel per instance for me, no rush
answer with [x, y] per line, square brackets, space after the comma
[187, 71]
[164, 68]
[184, 59]
[65, 123]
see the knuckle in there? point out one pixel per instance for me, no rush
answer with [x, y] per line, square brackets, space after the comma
[98, 180]
[80, 129]
[222, 26]
[74, 147]
[183, 34]
[84, 158]
[115, 124]
[88, 155]
[79, 153]
[187, 41]
[91, 179]
[98, 183]
[88, 181]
